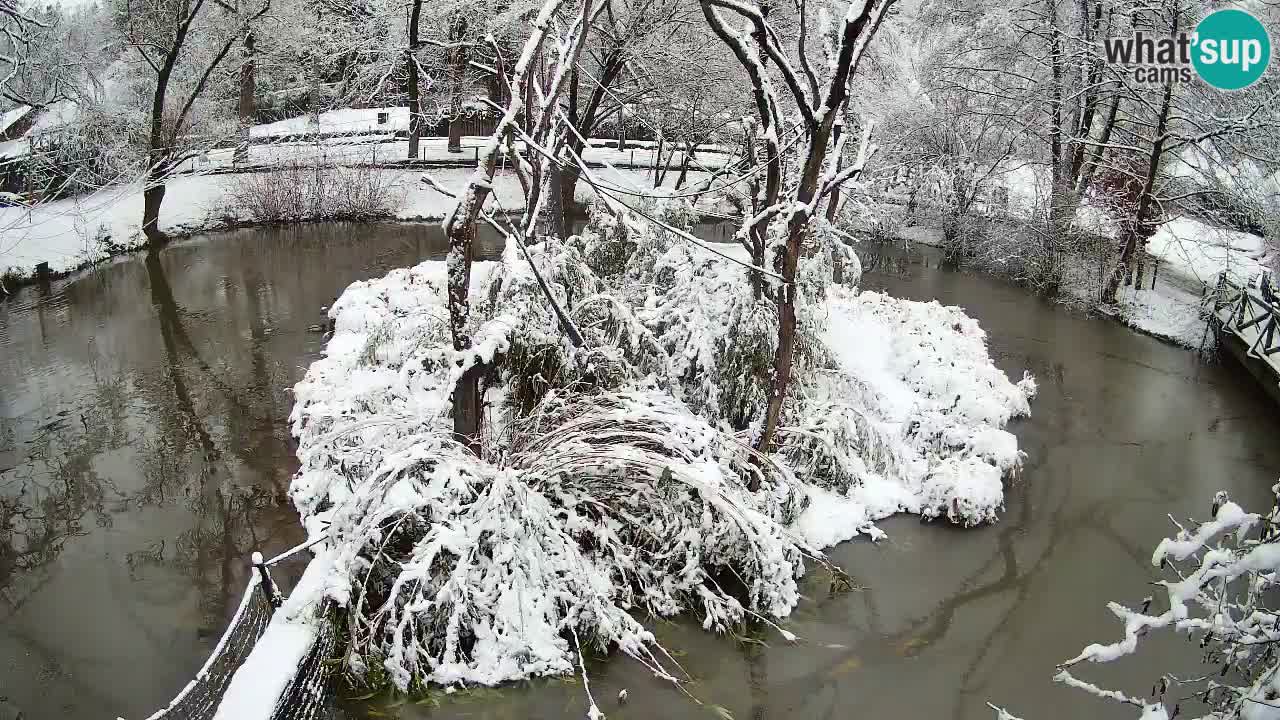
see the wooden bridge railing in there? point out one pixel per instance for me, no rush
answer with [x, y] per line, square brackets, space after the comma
[1252, 313]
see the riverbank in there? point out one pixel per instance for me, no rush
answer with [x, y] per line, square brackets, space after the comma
[76, 233]
[1182, 264]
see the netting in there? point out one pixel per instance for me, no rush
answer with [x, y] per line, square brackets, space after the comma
[309, 693]
[200, 698]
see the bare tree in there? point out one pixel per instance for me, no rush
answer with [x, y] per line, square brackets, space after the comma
[460, 225]
[412, 99]
[818, 104]
[161, 34]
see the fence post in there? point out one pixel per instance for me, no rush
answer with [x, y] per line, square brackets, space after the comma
[477, 149]
[268, 586]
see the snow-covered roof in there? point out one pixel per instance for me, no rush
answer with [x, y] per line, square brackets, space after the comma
[9, 117]
[47, 119]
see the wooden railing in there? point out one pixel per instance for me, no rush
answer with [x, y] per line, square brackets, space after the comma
[1252, 313]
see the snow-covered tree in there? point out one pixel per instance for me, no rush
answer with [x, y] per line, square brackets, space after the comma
[820, 97]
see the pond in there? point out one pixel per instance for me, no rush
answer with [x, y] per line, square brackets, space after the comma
[144, 453]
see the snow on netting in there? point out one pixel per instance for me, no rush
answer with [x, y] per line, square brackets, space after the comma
[200, 699]
[309, 693]
[288, 675]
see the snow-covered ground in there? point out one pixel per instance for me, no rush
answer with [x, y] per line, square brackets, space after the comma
[386, 149]
[71, 233]
[1185, 256]
[1189, 255]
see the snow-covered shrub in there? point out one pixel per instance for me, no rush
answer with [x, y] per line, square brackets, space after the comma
[607, 242]
[1220, 592]
[463, 571]
[910, 395]
[611, 481]
[300, 192]
[539, 357]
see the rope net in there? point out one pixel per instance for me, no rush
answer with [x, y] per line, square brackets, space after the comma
[200, 698]
[309, 693]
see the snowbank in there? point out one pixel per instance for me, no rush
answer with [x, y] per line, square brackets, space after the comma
[934, 390]
[1190, 256]
[1200, 252]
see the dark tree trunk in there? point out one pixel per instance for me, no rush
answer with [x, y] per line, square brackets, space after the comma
[684, 165]
[568, 182]
[467, 414]
[413, 101]
[658, 167]
[554, 223]
[1137, 229]
[834, 203]
[157, 157]
[584, 118]
[152, 197]
[247, 106]
[468, 409]
[457, 76]
[797, 230]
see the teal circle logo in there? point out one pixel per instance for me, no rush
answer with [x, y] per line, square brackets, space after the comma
[1232, 49]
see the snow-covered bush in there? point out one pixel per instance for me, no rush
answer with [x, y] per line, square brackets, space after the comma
[300, 192]
[470, 572]
[1219, 592]
[613, 478]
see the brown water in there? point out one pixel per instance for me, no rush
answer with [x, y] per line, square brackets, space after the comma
[144, 453]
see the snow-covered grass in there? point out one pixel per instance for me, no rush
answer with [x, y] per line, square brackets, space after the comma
[618, 482]
[387, 150]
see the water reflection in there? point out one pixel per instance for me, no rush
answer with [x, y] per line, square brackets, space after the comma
[144, 453]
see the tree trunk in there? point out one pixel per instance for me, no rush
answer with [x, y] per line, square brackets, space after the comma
[248, 106]
[157, 157]
[457, 75]
[1140, 226]
[797, 230]
[568, 182]
[834, 203]
[152, 197]
[468, 409]
[467, 414]
[659, 167]
[684, 165]
[413, 102]
[1056, 157]
[554, 210]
